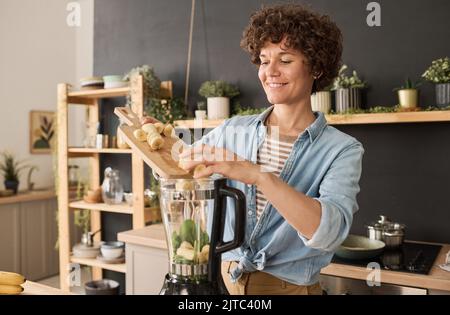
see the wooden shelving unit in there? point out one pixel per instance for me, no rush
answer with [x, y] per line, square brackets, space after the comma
[92, 99]
[97, 263]
[349, 119]
[120, 208]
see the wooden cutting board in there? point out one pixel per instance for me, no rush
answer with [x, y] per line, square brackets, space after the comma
[163, 162]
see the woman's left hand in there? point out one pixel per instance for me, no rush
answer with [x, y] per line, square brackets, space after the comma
[219, 161]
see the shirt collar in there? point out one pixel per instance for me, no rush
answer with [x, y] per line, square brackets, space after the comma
[313, 130]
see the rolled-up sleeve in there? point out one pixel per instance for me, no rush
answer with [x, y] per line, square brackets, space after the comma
[337, 196]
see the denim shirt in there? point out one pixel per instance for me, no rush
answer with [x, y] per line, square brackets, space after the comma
[324, 164]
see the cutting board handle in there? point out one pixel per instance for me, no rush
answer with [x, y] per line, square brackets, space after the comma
[127, 116]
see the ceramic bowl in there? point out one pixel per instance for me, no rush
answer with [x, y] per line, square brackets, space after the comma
[112, 78]
[360, 247]
[111, 250]
[102, 287]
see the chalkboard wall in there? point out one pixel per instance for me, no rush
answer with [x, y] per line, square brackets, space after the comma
[405, 168]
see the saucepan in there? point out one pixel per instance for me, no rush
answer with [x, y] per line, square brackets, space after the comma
[391, 233]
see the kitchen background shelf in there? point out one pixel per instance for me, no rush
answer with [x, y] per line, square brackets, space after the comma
[140, 214]
[120, 208]
[79, 152]
[349, 119]
[93, 262]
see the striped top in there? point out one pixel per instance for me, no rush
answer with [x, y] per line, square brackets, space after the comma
[272, 156]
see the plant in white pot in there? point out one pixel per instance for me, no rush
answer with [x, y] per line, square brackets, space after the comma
[439, 73]
[321, 100]
[348, 91]
[408, 95]
[218, 95]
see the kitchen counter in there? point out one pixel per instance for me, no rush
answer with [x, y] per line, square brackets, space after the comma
[28, 196]
[437, 279]
[33, 288]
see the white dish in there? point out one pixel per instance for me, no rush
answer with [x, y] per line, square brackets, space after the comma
[115, 85]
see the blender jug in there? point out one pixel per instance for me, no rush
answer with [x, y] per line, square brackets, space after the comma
[194, 217]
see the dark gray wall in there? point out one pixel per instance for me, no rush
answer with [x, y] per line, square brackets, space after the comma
[406, 169]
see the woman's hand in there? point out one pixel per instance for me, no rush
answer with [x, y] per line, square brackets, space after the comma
[148, 120]
[219, 161]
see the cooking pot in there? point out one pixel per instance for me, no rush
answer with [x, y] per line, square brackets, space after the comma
[391, 233]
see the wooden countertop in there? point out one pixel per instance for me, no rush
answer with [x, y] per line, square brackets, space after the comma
[33, 288]
[28, 196]
[151, 236]
[438, 279]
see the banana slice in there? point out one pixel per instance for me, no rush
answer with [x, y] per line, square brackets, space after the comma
[159, 127]
[156, 143]
[140, 135]
[168, 130]
[183, 184]
[199, 168]
[149, 128]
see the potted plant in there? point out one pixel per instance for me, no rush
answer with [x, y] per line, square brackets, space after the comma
[348, 90]
[218, 95]
[439, 73]
[321, 100]
[408, 94]
[200, 113]
[10, 169]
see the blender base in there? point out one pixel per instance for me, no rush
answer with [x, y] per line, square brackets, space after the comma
[174, 286]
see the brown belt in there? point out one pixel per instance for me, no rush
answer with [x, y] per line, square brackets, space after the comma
[261, 283]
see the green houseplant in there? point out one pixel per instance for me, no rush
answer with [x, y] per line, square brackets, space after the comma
[218, 95]
[348, 90]
[11, 168]
[408, 94]
[165, 110]
[439, 74]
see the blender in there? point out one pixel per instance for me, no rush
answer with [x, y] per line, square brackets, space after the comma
[194, 214]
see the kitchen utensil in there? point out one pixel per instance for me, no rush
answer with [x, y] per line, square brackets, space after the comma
[112, 250]
[118, 260]
[164, 162]
[359, 247]
[83, 251]
[102, 287]
[391, 233]
[112, 189]
[194, 218]
[87, 239]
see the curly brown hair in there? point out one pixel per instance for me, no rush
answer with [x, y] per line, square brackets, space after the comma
[315, 36]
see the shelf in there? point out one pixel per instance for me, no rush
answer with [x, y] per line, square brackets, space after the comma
[389, 118]
[120, 208]
[197, 124]
[349, 119]
[97, 263]
[77, 152]
[80, 97]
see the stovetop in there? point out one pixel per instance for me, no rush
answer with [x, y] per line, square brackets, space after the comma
[411, 257]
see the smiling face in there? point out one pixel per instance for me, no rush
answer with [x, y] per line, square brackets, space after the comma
[284, 74]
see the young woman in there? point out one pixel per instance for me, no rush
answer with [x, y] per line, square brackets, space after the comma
[300, 175]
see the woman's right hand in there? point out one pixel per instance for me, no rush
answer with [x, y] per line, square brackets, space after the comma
[148, 120]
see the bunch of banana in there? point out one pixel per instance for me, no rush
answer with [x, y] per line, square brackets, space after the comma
[10, 282]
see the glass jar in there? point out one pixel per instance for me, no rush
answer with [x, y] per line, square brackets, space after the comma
[73, 175]
[112, 189]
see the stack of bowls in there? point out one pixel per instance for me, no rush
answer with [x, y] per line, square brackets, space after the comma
[114, 81]
[91, 83]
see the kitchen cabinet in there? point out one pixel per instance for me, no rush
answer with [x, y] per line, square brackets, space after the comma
[28, 235]
[147, 260]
